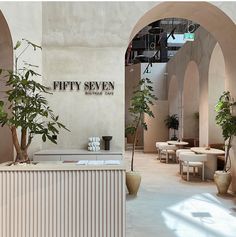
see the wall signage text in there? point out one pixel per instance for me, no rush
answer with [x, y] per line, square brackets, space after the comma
[89, 87]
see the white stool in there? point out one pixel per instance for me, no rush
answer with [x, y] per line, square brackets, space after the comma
[167, 150]
[190, 159]
[158, 148]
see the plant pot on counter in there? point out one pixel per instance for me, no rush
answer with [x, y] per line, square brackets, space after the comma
[107, 140]
[222, 180]
[133, 180]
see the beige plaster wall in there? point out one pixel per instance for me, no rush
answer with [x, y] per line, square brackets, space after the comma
[132, 77]
[216, 82]
[86, 115]
[158, 77]
[191, 101]
[156, 126]
[174, 99]
[157, 131]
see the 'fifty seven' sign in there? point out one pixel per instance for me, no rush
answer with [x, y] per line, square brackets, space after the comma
[89, 87]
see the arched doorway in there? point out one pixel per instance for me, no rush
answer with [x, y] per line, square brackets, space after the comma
[219, 25]
[6, 62]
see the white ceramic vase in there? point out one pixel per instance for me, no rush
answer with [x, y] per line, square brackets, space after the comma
[222, 180]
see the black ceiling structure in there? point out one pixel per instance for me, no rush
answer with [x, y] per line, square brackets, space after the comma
[151, 43]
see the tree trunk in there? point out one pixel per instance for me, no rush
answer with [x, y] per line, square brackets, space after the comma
[16, 144]
[24, 146]
[134, 143]
[227, 154]
[21, 150]
[25, 155]
[23, 138]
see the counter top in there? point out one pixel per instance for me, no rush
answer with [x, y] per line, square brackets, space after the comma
[59, 166]
[77, 151]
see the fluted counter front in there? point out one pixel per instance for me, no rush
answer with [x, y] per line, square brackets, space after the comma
[55, 199]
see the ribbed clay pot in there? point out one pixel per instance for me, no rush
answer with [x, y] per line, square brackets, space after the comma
[222, 180]
[133, 180]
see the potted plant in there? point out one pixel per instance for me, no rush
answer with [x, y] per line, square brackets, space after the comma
[227, 121]
[140, 105]
[172, 122]
[25, 109]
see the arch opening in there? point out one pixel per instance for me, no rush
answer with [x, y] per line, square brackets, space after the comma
[218, 25]
[6, 62]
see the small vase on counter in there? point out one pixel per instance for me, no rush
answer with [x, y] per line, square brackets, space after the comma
[94, 144]
[107, 140]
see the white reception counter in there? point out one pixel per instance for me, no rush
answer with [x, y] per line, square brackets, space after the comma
[56, 199]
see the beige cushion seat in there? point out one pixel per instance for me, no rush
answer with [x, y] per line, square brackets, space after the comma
[190, 159]
[181, 151]
[192, 164]
[158, 148]
[168, 151]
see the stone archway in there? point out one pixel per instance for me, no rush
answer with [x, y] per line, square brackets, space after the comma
[6, 62]
[221, 27]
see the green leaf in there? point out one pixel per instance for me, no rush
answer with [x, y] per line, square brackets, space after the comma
[130, 130]
[51, 139]
[18, 44]
[144, 125]
[44, 138]
[27, 75]
[172, 121]
[224, 117]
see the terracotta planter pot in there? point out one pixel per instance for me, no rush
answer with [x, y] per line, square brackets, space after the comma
[222, 180]
[133, 180]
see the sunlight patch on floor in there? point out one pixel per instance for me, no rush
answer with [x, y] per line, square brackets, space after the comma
[200, 216]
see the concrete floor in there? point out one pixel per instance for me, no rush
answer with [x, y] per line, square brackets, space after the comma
[167, 206]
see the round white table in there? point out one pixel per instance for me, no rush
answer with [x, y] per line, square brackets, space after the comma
[211, 164]
[179, 144]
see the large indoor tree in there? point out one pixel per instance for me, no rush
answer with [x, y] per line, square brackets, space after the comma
[227, 121]
[141, 101]
[25, 110]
